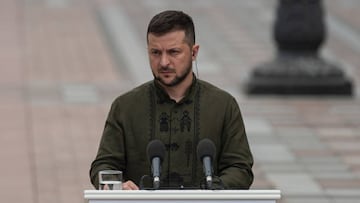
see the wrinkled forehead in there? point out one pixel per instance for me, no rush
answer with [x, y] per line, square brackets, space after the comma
[176, 35]
[174, 38]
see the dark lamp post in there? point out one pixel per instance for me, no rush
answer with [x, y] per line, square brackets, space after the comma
[299, 31]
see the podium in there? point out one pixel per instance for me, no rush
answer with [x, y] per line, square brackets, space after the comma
[181, 196]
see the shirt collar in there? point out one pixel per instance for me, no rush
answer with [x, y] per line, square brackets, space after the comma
[163, 97]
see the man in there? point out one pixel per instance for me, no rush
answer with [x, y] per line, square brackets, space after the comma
[178, 109]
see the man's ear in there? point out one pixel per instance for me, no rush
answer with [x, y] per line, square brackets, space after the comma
[195, 51]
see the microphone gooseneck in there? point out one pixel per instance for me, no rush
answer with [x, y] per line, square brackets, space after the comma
[156, 152]
[206, 151]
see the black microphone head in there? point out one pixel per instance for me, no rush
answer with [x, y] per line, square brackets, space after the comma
[155, 148]
[206, 147]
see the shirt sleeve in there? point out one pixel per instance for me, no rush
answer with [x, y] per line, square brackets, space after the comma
[235, 159]
[111, 151]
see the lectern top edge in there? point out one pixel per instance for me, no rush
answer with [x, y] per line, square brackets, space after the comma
[183, 194]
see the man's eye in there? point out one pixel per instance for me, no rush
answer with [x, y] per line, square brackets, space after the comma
[155, 52]
[174, 52]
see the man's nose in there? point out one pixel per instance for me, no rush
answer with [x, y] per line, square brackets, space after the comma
[164, 61]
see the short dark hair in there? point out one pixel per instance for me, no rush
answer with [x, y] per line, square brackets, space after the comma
[172, 20]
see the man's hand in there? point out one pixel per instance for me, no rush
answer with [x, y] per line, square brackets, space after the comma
[129, 185]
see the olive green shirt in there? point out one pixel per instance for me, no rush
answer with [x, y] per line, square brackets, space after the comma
[148, 113]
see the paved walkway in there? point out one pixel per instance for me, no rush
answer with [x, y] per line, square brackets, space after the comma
[64, 61]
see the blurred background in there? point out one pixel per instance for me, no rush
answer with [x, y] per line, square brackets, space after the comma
[62, 62]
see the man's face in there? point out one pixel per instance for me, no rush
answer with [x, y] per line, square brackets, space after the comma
[170, 57]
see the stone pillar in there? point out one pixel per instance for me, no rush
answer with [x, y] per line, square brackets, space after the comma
[299, 31]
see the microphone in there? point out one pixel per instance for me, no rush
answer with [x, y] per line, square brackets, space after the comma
[156, 153]
[206, 152]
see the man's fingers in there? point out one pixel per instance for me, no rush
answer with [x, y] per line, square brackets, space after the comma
[129, 185]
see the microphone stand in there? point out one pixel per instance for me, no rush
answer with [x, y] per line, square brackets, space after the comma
[156, 183]
[215, 184]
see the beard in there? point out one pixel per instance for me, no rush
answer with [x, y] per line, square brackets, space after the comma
[178, 78]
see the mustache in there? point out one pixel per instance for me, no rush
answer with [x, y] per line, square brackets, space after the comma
[166, 69]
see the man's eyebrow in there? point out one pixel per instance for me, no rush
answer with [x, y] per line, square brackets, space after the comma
[174, 48]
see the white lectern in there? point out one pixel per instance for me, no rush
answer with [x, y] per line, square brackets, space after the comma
[181, 196]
